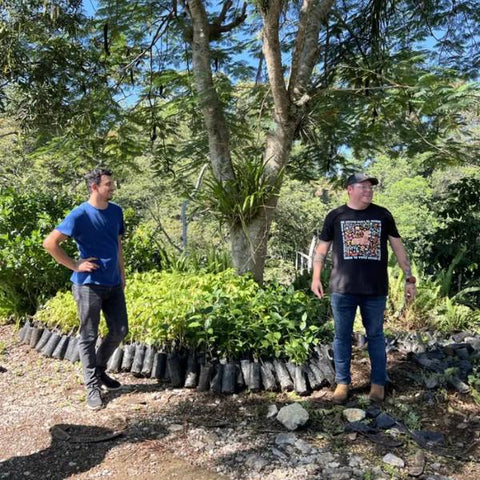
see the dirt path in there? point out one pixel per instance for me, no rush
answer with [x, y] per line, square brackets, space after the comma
[46, 432]
[41, 397]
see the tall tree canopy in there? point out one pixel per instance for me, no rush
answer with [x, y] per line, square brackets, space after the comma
[255, 89]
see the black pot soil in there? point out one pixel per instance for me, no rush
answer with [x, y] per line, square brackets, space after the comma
[254, 382]
[216, 384]
[159, 365]
[229, 378]
[300, 381]
[268, 377]
[51, 345]
[175, 370]
[286, 383]
[61, 348]
[115, 361]
[148, 361]
[245, 368]
[128, 356]
[46, 334]
[291, 369]
[191, 376]
[205, 377]
[319, 377]
[27, 333]
[137, 364]
[76, 351]
[35, 335]
[312, 379]
[22, 331]
[239, 379]
[325, 363]
[72, 354]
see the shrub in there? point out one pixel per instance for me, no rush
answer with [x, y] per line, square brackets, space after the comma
[432, 309]
[223, 314]
[28, 275]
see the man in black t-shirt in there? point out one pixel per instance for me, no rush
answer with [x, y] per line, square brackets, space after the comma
[359, 232]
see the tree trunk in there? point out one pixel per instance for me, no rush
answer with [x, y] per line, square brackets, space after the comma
[249, 242]
[212, 109]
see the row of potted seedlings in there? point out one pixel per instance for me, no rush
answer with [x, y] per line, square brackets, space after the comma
[181, 368]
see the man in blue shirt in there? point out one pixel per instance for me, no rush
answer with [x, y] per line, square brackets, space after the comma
[98, 278]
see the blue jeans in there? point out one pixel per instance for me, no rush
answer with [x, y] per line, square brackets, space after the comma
[372, 309]
[91, 300]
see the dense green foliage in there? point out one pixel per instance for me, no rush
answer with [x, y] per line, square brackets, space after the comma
[432, 310]
[224, 315]
[394, 92]
[455, 244]
[28, 275]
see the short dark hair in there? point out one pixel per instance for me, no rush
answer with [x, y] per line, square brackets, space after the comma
[95, 177]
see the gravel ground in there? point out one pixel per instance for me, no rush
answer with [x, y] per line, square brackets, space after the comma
[148, 431]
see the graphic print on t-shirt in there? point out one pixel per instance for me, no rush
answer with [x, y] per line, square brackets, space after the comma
[361, 239]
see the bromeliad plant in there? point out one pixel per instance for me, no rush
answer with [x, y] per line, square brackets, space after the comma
[236, 202]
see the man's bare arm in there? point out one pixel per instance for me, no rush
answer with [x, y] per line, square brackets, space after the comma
[402, 259]
[52, 244]
[319, 258]
[401, 255]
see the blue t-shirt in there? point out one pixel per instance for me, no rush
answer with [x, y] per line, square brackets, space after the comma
[96, 233]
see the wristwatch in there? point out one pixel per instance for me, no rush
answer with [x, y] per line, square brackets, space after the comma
[410, 279]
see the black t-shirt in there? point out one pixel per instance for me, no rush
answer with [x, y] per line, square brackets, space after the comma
[359, 249]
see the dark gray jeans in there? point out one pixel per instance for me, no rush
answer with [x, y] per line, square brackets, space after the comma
[91, 300]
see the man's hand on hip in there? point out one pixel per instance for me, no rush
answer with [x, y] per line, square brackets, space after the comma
[86, 264]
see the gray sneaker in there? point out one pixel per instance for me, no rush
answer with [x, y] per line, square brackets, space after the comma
[94, 398]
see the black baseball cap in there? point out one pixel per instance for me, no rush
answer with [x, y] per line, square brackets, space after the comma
[361, 177]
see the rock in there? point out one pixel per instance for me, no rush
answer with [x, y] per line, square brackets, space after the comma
[354, 461]
[458, 385]
[416, 464]
[293, 416]
[431, 382]
[373, 411]
[285, 439]
[393, 460]
[336, 473]
[463, 353]
[279, 454]
[474, 342]
[175, 427]
[303, 446]
[384, 421]
[326, 457]
[427, 437]
[256, 462]
[272, 411]
[354, 414]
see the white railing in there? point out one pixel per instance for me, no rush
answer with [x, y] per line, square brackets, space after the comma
[303, 261]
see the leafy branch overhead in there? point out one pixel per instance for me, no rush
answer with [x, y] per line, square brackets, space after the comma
[311, 86]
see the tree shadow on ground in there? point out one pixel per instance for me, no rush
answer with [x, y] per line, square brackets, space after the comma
[73, 449]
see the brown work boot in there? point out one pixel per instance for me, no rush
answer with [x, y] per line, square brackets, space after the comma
[341, 393]
[377, 393]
